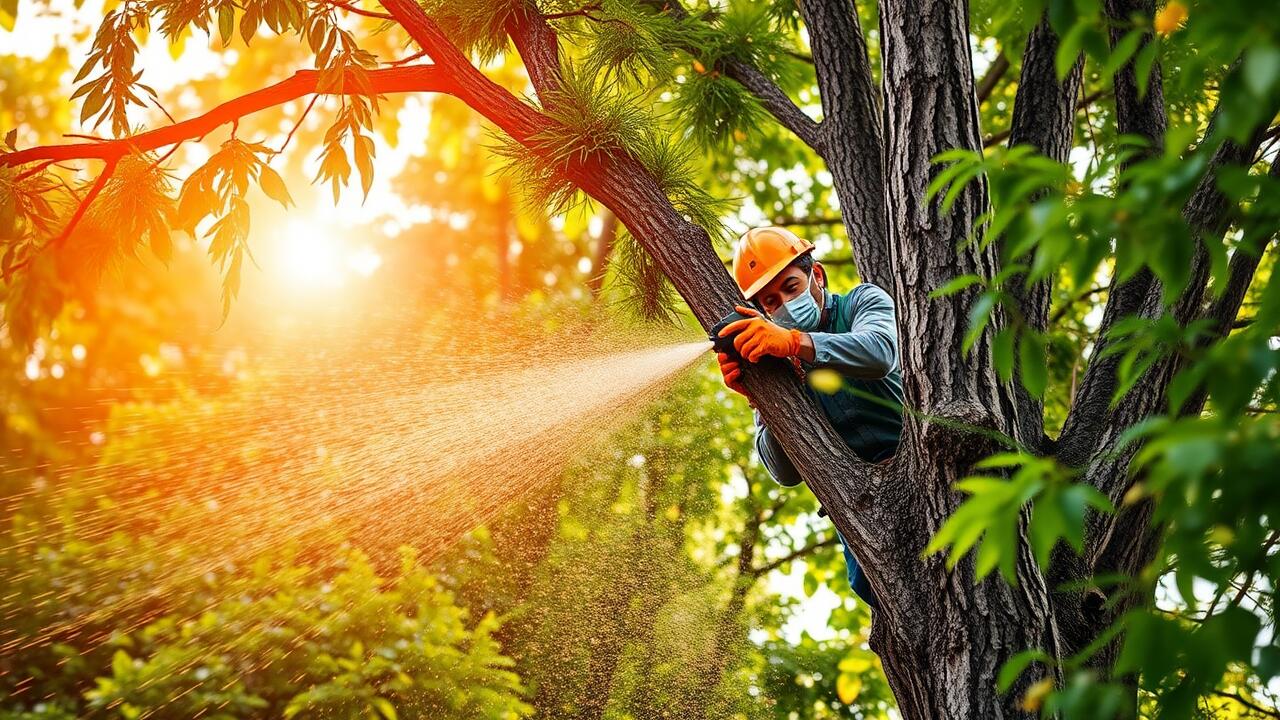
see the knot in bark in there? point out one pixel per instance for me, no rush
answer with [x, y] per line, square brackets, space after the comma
[962, 431]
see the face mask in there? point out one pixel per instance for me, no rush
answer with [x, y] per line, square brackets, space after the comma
[800, 312]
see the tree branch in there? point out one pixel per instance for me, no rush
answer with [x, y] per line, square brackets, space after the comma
[996, 138]
[851, 142]
[1043, 117]
[417, 78]
[539, 48]
[796, 554]
[1141, 114]
[771, 97]
[994, 73]
[358, 11]
[807, 221]
[684, 252]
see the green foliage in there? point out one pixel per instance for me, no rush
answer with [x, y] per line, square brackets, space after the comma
[991, 517]
[278, 638]
[478, 28]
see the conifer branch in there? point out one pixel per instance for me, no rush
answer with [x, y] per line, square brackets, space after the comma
[771, 97]
[94, 190]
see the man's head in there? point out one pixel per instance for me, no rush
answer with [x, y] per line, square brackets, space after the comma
[773, 266]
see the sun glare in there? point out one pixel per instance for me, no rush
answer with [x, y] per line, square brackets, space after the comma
[314, 256]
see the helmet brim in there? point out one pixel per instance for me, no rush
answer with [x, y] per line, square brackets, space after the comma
[768, 275]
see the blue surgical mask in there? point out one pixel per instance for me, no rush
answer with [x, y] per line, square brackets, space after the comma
[800, 312]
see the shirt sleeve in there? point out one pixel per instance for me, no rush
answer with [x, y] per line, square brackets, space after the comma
[869, 350]
[774, 458]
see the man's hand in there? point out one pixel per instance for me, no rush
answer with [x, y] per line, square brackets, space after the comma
[732, 374]
[758, 337]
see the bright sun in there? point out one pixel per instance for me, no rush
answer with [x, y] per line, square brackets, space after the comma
[312, 255]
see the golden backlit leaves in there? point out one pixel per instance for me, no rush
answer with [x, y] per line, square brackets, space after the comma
[1170, 18]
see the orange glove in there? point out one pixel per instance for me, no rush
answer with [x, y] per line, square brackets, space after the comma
[758, 337]
[732, 373]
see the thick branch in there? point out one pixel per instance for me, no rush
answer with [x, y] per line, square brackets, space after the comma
[851, 142]
[419, 78]
[1141, 114]
[683, 250]
[1043, 117]
[773, 99]
[537, 44]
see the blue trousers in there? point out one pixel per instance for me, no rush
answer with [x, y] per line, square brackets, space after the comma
[858, 579]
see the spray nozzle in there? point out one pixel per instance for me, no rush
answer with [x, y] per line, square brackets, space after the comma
[725, 344]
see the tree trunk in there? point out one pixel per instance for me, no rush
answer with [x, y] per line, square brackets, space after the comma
[942, 638]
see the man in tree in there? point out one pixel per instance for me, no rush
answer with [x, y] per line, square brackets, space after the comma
[854, 335]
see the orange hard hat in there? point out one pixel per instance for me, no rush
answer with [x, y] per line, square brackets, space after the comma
[762, 253]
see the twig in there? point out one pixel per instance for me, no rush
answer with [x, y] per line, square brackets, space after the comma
[794, 555]
[79, 136]
[807, 221]
[406, 60]
[297, 125]
[359, 11]
[88, 199]
[1252, 706]
[34, 170]
[156, 101]
[580, 12]
[160, 160]
[1081, 296]
[987, 84]
[1083, 105]
[585, 12]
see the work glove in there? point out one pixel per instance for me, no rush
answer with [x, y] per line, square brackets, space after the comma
[758, 337]
[732, 373]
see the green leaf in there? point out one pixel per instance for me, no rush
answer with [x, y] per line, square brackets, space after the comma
[384, 708]
[1014, 666]
[1048, 524]
[979, 316]
[1002, 353]
[955, 285]
[1123, 50]
[121, 664]
[226, 22]
[1033, 363]
[1069, 49]
[1142, 65]
[1261, 69]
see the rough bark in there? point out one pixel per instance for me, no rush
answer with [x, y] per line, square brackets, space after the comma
[1044, 117]
[850, 141]
[942, 649]
[1140, 114]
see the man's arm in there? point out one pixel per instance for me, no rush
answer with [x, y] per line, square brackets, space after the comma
[869, 350]
[774, 458]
